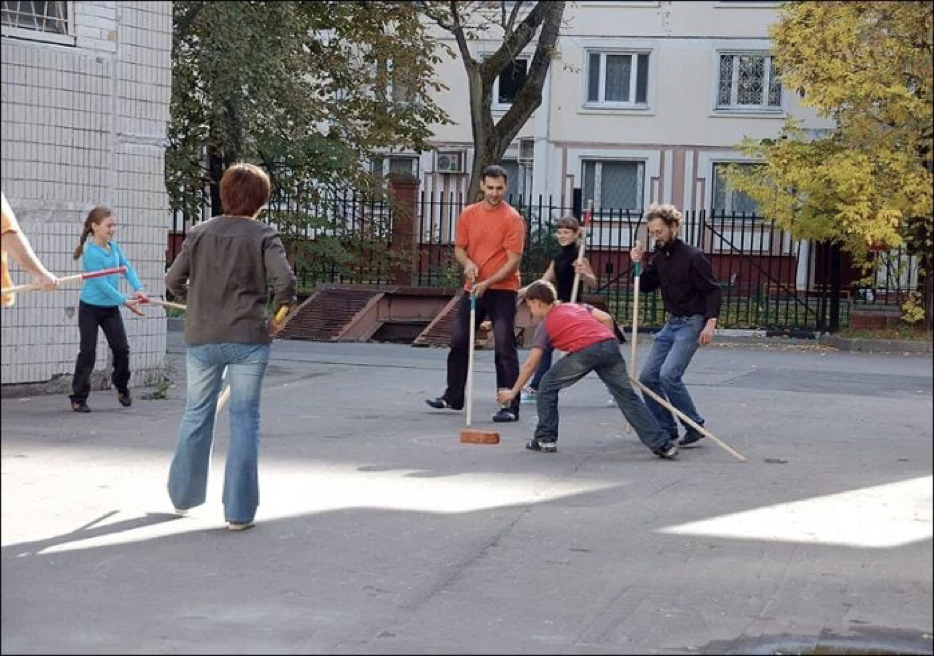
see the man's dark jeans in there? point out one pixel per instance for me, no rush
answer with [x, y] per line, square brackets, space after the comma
[500, 307]
[604, 358]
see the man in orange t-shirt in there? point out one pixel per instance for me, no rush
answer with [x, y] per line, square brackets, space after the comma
[489, 243]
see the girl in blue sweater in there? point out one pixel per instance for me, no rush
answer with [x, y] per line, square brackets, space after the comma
[99, 306]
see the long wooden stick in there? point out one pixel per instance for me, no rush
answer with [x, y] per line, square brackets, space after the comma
[16, 289]
[473, 319]
[580, 251]
[176, 306]
[637, 269]
[690, 422]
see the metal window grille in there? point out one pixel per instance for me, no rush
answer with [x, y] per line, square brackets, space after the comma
[42, 16]
[748, 81]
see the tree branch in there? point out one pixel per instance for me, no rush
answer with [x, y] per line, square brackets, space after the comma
[517, 40]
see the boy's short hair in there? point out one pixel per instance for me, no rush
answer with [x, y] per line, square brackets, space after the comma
[568, 222]
[245, 188]
[541, 290]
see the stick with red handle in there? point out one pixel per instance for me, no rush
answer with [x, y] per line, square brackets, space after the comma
[67, 279]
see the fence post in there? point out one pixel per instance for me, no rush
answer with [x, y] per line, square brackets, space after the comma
[404, 235]
[835, 264]
[577, 203]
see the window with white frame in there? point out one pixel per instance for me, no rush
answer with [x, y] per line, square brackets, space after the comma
[38, 20]
[726, 200]
[613, 185]
[394, 164]
[509, 81]
[617, 79]
[748, 81]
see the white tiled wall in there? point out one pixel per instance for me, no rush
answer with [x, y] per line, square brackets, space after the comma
[84, 125]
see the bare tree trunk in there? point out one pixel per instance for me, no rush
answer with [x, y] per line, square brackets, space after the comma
[492, 139]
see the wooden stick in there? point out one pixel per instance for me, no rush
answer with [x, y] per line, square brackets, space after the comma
[176, 306]
[16, 289]
[637, 269]
[473, 319]
[690, 422]
[583, 247]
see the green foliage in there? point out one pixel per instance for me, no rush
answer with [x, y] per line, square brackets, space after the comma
[300, 88]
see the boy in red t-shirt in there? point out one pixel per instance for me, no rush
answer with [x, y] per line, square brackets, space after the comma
[586, 335]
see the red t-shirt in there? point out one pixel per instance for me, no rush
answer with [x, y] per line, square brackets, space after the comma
[487, 235]
[570, 327]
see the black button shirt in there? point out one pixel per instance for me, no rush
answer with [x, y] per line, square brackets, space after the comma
[686, 278]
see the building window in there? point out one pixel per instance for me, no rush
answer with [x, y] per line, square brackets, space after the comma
[507, 84]
[613, 185]
[617, 79]
[37, 20]
[726, 200]
[747, 81]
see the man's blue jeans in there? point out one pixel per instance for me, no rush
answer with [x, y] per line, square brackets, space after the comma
[664, 367]
[604, 358]
[188, 475]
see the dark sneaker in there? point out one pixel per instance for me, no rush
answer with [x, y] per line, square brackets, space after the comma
[80, 406]
[690, 437]
[506, 414]
[125, 399]
[668, 452]
[441, 403]
[548, 446]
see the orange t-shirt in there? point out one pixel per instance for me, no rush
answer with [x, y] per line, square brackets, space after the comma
[487, 235]
[9, 224]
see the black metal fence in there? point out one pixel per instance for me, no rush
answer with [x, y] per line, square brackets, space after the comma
[769, 280]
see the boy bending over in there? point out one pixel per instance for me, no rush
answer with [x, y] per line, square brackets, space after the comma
[586, 335]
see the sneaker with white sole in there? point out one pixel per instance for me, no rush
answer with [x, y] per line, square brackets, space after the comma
[181, 512]
[545, 446]
[528, 395]
[668, 452]
[239, 526]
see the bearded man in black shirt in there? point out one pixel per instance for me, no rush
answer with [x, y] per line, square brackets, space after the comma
[692, 298]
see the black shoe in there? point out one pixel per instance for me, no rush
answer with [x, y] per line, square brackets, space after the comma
[690, 437]
[506, 414]
[125, 399]
[441, 403]
[80, 406]
[546, 446]
[668, 452]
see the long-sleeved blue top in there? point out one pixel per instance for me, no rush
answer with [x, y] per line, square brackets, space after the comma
[105, 291]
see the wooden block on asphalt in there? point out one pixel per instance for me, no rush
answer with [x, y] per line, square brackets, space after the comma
[474, 436]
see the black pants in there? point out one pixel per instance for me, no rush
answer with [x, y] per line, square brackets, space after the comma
[500, 307]
[108, 318]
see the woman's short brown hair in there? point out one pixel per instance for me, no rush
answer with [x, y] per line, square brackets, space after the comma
[245, 188]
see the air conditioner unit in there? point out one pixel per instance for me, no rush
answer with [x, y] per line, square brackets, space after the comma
[526, 151]
[450, 162]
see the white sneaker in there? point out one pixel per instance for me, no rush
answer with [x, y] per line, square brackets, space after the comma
[239, 526]
[611, 403]
[181, 512]
[528, 395]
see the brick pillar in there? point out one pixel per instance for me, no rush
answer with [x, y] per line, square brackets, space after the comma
[405, 227]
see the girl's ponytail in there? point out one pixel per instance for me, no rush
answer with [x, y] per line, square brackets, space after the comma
[84, 237]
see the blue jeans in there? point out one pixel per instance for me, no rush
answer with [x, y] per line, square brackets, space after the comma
[543, 367]
[188, 475]
[604, 358]
[668, 358]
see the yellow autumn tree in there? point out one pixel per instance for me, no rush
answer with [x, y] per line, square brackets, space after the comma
[868, 184]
